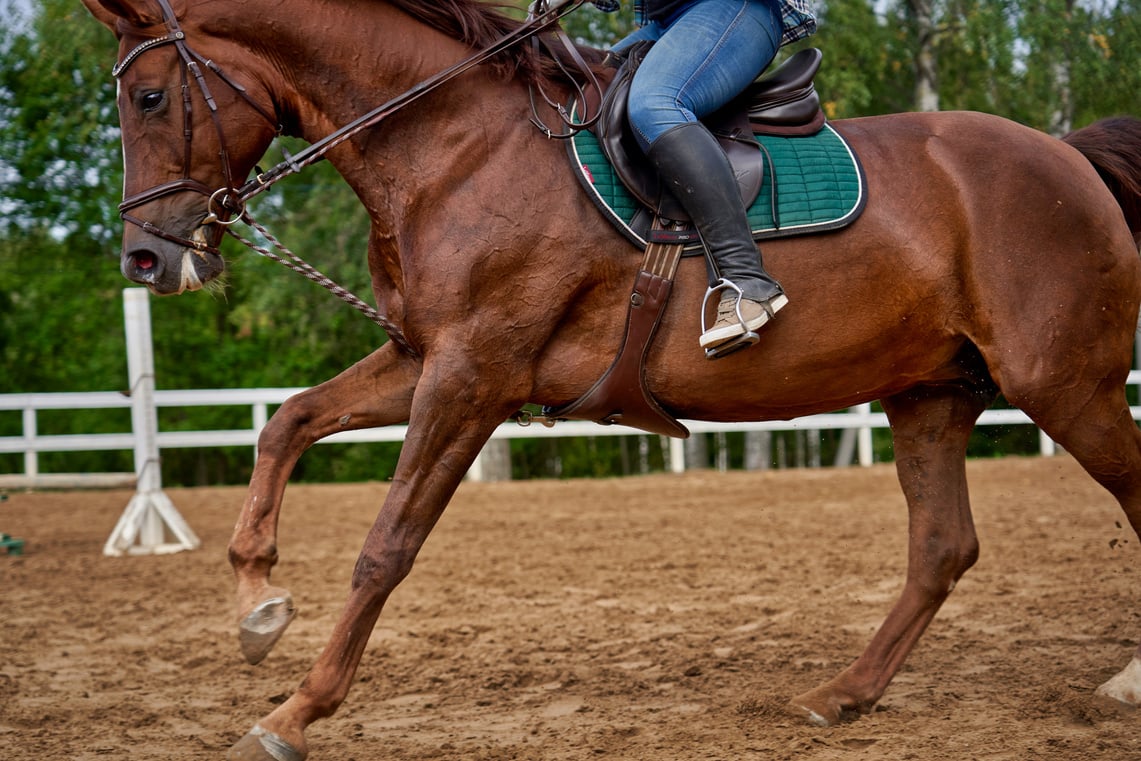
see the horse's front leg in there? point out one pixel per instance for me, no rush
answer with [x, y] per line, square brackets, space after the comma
[453, 415]
[930, 427]
[374, 392]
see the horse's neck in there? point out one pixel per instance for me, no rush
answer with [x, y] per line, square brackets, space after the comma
[349, 68]
[456, 177]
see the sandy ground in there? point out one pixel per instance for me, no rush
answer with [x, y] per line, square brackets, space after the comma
[663, 617]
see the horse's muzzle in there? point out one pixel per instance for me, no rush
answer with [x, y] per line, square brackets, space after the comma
[167, 268]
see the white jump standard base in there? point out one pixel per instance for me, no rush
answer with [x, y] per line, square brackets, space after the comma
[150, 515]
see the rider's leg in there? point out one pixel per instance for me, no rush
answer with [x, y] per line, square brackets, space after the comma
[704, 58]
[697, 172]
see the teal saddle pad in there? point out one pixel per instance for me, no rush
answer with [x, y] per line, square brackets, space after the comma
[819, 181]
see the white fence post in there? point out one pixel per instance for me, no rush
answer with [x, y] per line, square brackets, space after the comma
[150, 512]
[31, 457]
[864, 437]
[677, 455]
[261, 417]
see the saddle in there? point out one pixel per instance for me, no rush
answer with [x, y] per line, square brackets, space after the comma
[783, 103]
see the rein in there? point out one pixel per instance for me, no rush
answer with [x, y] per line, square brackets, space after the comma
[231, 200]
[536, 22]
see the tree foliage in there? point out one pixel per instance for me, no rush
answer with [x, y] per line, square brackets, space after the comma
[60, 165]
[1050, 64]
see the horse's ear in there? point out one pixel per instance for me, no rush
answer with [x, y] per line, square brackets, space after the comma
[110, 12]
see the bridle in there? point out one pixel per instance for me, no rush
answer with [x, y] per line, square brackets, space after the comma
[227, 204]
[219, 200]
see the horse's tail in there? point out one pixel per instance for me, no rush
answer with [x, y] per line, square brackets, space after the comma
[1113, 146]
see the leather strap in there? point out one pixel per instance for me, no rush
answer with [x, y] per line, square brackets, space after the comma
[621, 395]
[592, 86]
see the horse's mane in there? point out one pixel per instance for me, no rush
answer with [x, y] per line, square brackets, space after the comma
[479, 23]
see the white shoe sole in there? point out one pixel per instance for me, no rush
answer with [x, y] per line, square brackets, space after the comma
[717, 336]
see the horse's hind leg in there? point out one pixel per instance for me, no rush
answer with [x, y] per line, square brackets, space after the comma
[1093, 423]
[930, 427]
[374, 392]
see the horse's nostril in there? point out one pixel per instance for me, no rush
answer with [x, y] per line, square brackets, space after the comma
[141, 266]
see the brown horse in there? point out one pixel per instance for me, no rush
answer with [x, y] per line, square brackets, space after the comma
[991, 259]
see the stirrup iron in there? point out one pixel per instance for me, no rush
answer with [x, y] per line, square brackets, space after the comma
[729, 346]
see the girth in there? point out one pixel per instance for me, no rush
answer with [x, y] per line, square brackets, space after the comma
[621, 395]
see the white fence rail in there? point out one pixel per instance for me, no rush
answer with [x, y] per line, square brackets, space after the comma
[31, 443]
[144, 404]
[146, 440]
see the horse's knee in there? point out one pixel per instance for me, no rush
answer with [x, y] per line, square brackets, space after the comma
[281, 430]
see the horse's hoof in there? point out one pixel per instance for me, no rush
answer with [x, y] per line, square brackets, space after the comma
[263, 626]
[260, 745]
[1126, 686]
[822, 706]
[799, 710]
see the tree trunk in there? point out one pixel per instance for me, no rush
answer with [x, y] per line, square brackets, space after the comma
[758, 450]
[926, 60]
[697, 452]
[1062, 117]
[495, 461]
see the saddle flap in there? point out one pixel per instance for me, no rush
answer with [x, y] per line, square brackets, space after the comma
[614, 135]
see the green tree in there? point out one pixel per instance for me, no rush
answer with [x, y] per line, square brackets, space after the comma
[1109, 78]
[1045, 63]
[601, 30]
[863, 60]
[58, 153]
[61, 166]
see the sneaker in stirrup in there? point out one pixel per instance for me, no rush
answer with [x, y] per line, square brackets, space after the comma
[739, 317]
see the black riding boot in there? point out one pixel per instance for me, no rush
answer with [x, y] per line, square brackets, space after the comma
[697, 172]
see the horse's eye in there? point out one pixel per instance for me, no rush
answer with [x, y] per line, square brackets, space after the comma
[152, 101]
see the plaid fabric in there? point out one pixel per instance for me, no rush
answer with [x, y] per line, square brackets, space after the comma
[798, 20]
[797, 17]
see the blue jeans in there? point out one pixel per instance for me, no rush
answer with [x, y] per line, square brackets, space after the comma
[700, 60]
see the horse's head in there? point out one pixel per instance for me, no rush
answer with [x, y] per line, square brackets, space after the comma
[191, 129]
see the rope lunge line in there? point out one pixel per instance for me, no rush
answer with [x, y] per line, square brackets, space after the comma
[302, 267]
